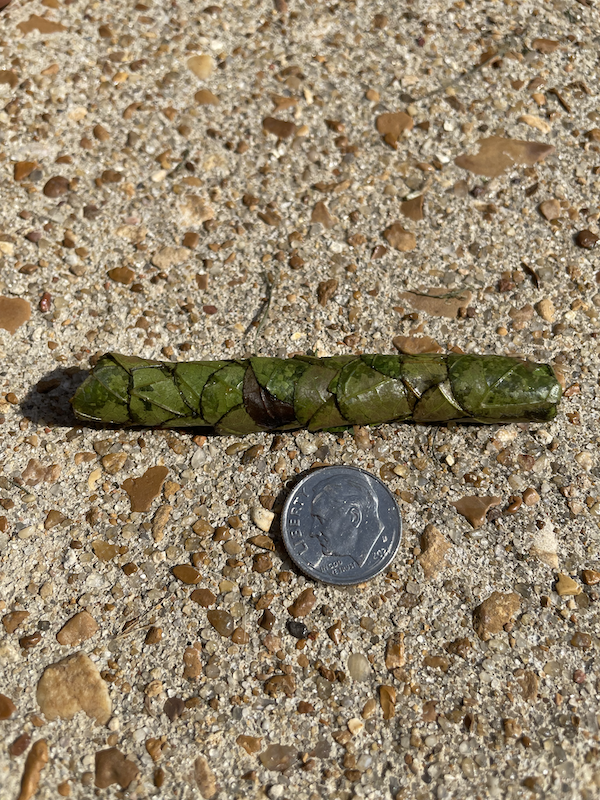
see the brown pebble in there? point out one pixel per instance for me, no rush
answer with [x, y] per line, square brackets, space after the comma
[279, 127]
[434, 547]
[475, 508]
[121, 275]
[335, 632]
[56, 186]
[399, 238]
[222, 622]
[240, 636]
[459, 647]
[23, 169]
[204, 597]
[277, 757]
[114, 767]
[14, 312]
[529, 683]
[280, 683]
[267, 620]
[437, 662]
[436, 302]
[251, 744]
[261, 563]
[7, 707]
[206, 98]
[413, 209]
[497, 154]
[202, 66]
[550, 209]
[494, 613]
[71, 685]
[113, 462]
[12, 620]
[191, 240]
[303, 604]
[205, 778]
[394, 651]
[586, 239]
[101, 133]
[544, 46]
[154, 747]
[387, 701]
[105, 551]
[414, 345]
[144, 489]
[545, 309]
[581, 640]
[187, 574]
[53, 518]
[64, 789]
[20, 744]
[320, 214]
[530, 497]
[31, 641]
[203, 528]
[326, 290]
[567, 587]
[36, 760]
[79, 628]
[393, 125]
[590, 577]
[154, 635]
[192, 664]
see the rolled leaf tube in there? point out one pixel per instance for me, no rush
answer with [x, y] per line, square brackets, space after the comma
[273, 394]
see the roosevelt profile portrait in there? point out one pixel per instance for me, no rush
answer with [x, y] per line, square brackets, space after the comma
[346, 520]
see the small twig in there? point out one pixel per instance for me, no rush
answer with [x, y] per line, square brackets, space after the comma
[262, 317]
[136, 622]
[472, 72]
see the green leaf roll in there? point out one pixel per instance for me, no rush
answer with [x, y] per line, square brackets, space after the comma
[273, 394]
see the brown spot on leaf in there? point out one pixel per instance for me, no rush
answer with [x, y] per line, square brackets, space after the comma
[497, 154]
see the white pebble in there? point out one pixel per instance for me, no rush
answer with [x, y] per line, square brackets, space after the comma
[262, 518]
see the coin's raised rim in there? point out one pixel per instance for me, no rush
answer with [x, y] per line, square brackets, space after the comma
[304, 568]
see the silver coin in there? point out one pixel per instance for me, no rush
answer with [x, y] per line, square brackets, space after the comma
[341, 525]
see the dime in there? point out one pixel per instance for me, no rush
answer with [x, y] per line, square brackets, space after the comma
[341, 525]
